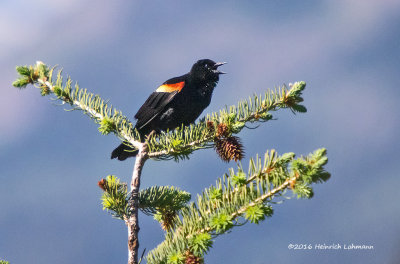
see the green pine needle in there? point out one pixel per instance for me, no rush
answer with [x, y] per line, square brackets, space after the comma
[258, 212]
[21, 82]
[239, 178]
[200, 243]
[162, 199]
[221, 223]
[176, 258]
[24, 70]
[215, 194]
[107, 126]
[114, 199]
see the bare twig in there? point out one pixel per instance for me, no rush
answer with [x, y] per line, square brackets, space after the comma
[133, 221]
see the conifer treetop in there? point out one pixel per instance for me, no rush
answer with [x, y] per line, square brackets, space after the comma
[237, 198]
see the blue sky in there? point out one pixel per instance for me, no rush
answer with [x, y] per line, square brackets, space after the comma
[348, 52]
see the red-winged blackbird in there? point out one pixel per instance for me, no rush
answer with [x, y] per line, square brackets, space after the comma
[177, 101]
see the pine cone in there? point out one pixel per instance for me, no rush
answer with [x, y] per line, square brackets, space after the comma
[292, 183]
[222, 130]
[192, 259]
[103, 184]
[210, 126]
[168, 220]
[229, 148]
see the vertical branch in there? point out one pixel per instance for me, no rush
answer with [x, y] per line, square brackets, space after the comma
[133, 221]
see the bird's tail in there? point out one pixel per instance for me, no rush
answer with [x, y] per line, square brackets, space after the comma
[124, 151]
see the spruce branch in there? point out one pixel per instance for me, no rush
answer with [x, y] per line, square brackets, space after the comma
[230, 203]
[162, 198]
[181, 142]
[114, 198]
[109, 119]
[151, 200]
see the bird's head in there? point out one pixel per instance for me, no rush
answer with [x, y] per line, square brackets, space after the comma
[206, 71]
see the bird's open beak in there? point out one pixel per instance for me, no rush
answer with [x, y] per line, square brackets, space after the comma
[217, 65]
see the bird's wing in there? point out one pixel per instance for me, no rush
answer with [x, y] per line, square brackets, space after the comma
[157, 101]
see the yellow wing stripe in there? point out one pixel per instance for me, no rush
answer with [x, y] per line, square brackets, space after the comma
[169, 88]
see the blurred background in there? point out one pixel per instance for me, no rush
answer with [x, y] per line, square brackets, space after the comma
[348, 52]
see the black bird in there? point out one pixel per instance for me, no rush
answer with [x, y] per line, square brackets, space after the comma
[177, 101]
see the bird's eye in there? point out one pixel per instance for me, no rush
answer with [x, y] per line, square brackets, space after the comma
[206, 65]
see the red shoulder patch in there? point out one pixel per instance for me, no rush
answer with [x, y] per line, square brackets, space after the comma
[172, 87]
